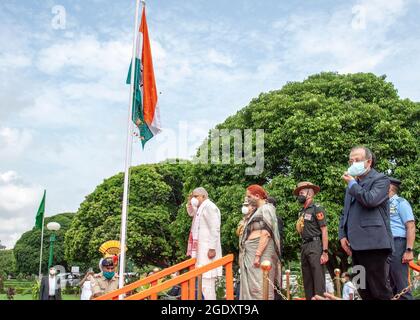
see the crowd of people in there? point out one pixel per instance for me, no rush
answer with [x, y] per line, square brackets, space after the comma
[377, 229]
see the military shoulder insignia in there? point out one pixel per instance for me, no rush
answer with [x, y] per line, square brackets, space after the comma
[320, 215]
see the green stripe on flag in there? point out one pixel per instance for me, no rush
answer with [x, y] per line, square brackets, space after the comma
[40, 214]
[138, 117]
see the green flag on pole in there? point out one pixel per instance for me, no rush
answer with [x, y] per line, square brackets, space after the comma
[40, 214]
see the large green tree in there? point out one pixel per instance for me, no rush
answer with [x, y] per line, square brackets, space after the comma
[155, 196]
[310, 127]
[27, 248]
[7, 263]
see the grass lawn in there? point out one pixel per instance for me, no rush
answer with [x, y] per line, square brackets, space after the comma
[29, 297]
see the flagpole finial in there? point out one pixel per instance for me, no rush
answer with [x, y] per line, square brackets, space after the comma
[143, 2]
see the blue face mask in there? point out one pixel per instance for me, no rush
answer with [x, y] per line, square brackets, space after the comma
[109, 274]
[357, 169]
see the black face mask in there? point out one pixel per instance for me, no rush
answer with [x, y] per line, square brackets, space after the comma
[301, 199]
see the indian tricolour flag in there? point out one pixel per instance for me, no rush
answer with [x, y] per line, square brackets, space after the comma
[146, 114]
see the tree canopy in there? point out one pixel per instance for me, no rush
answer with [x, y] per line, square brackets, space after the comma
[7, 263]
[27, 248]
[155, 195]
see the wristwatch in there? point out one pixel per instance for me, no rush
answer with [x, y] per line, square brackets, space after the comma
[325, 251]
[409, 249]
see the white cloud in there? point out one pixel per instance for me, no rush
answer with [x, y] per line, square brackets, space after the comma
[216, 57]
[12, 61]
[335, 42]
[49, 109]
[12, 228]
[95, 91]
[17, 197]
[18, 205]
[13, 142]
[86, 57]
[8, 176]
[91, 77]
[11, 225]
[383, 13]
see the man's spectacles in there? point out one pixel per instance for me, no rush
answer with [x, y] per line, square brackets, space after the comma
[350, 162]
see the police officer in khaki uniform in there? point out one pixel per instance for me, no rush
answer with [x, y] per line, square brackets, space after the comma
[312, 227]
[106, 281]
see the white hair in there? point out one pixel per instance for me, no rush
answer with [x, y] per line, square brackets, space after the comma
[201, 191]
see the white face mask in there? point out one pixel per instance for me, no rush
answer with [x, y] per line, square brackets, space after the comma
[357, 169]
[194, 202]
[245, 210]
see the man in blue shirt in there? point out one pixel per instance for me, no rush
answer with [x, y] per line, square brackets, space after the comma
[404, 232]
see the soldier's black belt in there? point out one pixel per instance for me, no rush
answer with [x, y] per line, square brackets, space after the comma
[307, 240]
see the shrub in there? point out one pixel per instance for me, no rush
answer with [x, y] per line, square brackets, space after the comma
[36, 287]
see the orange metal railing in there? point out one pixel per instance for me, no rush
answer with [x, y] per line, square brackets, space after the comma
[152, 280]
[186, 281]
[415, 266]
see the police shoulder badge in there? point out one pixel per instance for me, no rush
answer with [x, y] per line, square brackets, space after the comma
[320, 215]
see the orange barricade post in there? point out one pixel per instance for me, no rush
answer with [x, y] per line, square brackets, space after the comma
[266, 267]
[229, 280]
[184, 290]
[192, 285]
[200, 288]
[288, 284]
[154, 296]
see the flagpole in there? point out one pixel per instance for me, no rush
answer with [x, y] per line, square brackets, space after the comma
[128, 155]
[42, 243]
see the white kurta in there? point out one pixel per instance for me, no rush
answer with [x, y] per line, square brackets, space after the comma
[87, 289]
[209, 237]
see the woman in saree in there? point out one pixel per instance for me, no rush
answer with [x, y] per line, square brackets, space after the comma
[259, 241]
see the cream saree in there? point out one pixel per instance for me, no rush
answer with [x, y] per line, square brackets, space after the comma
[251, 277]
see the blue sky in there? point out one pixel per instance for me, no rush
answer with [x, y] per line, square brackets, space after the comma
[63, 98]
